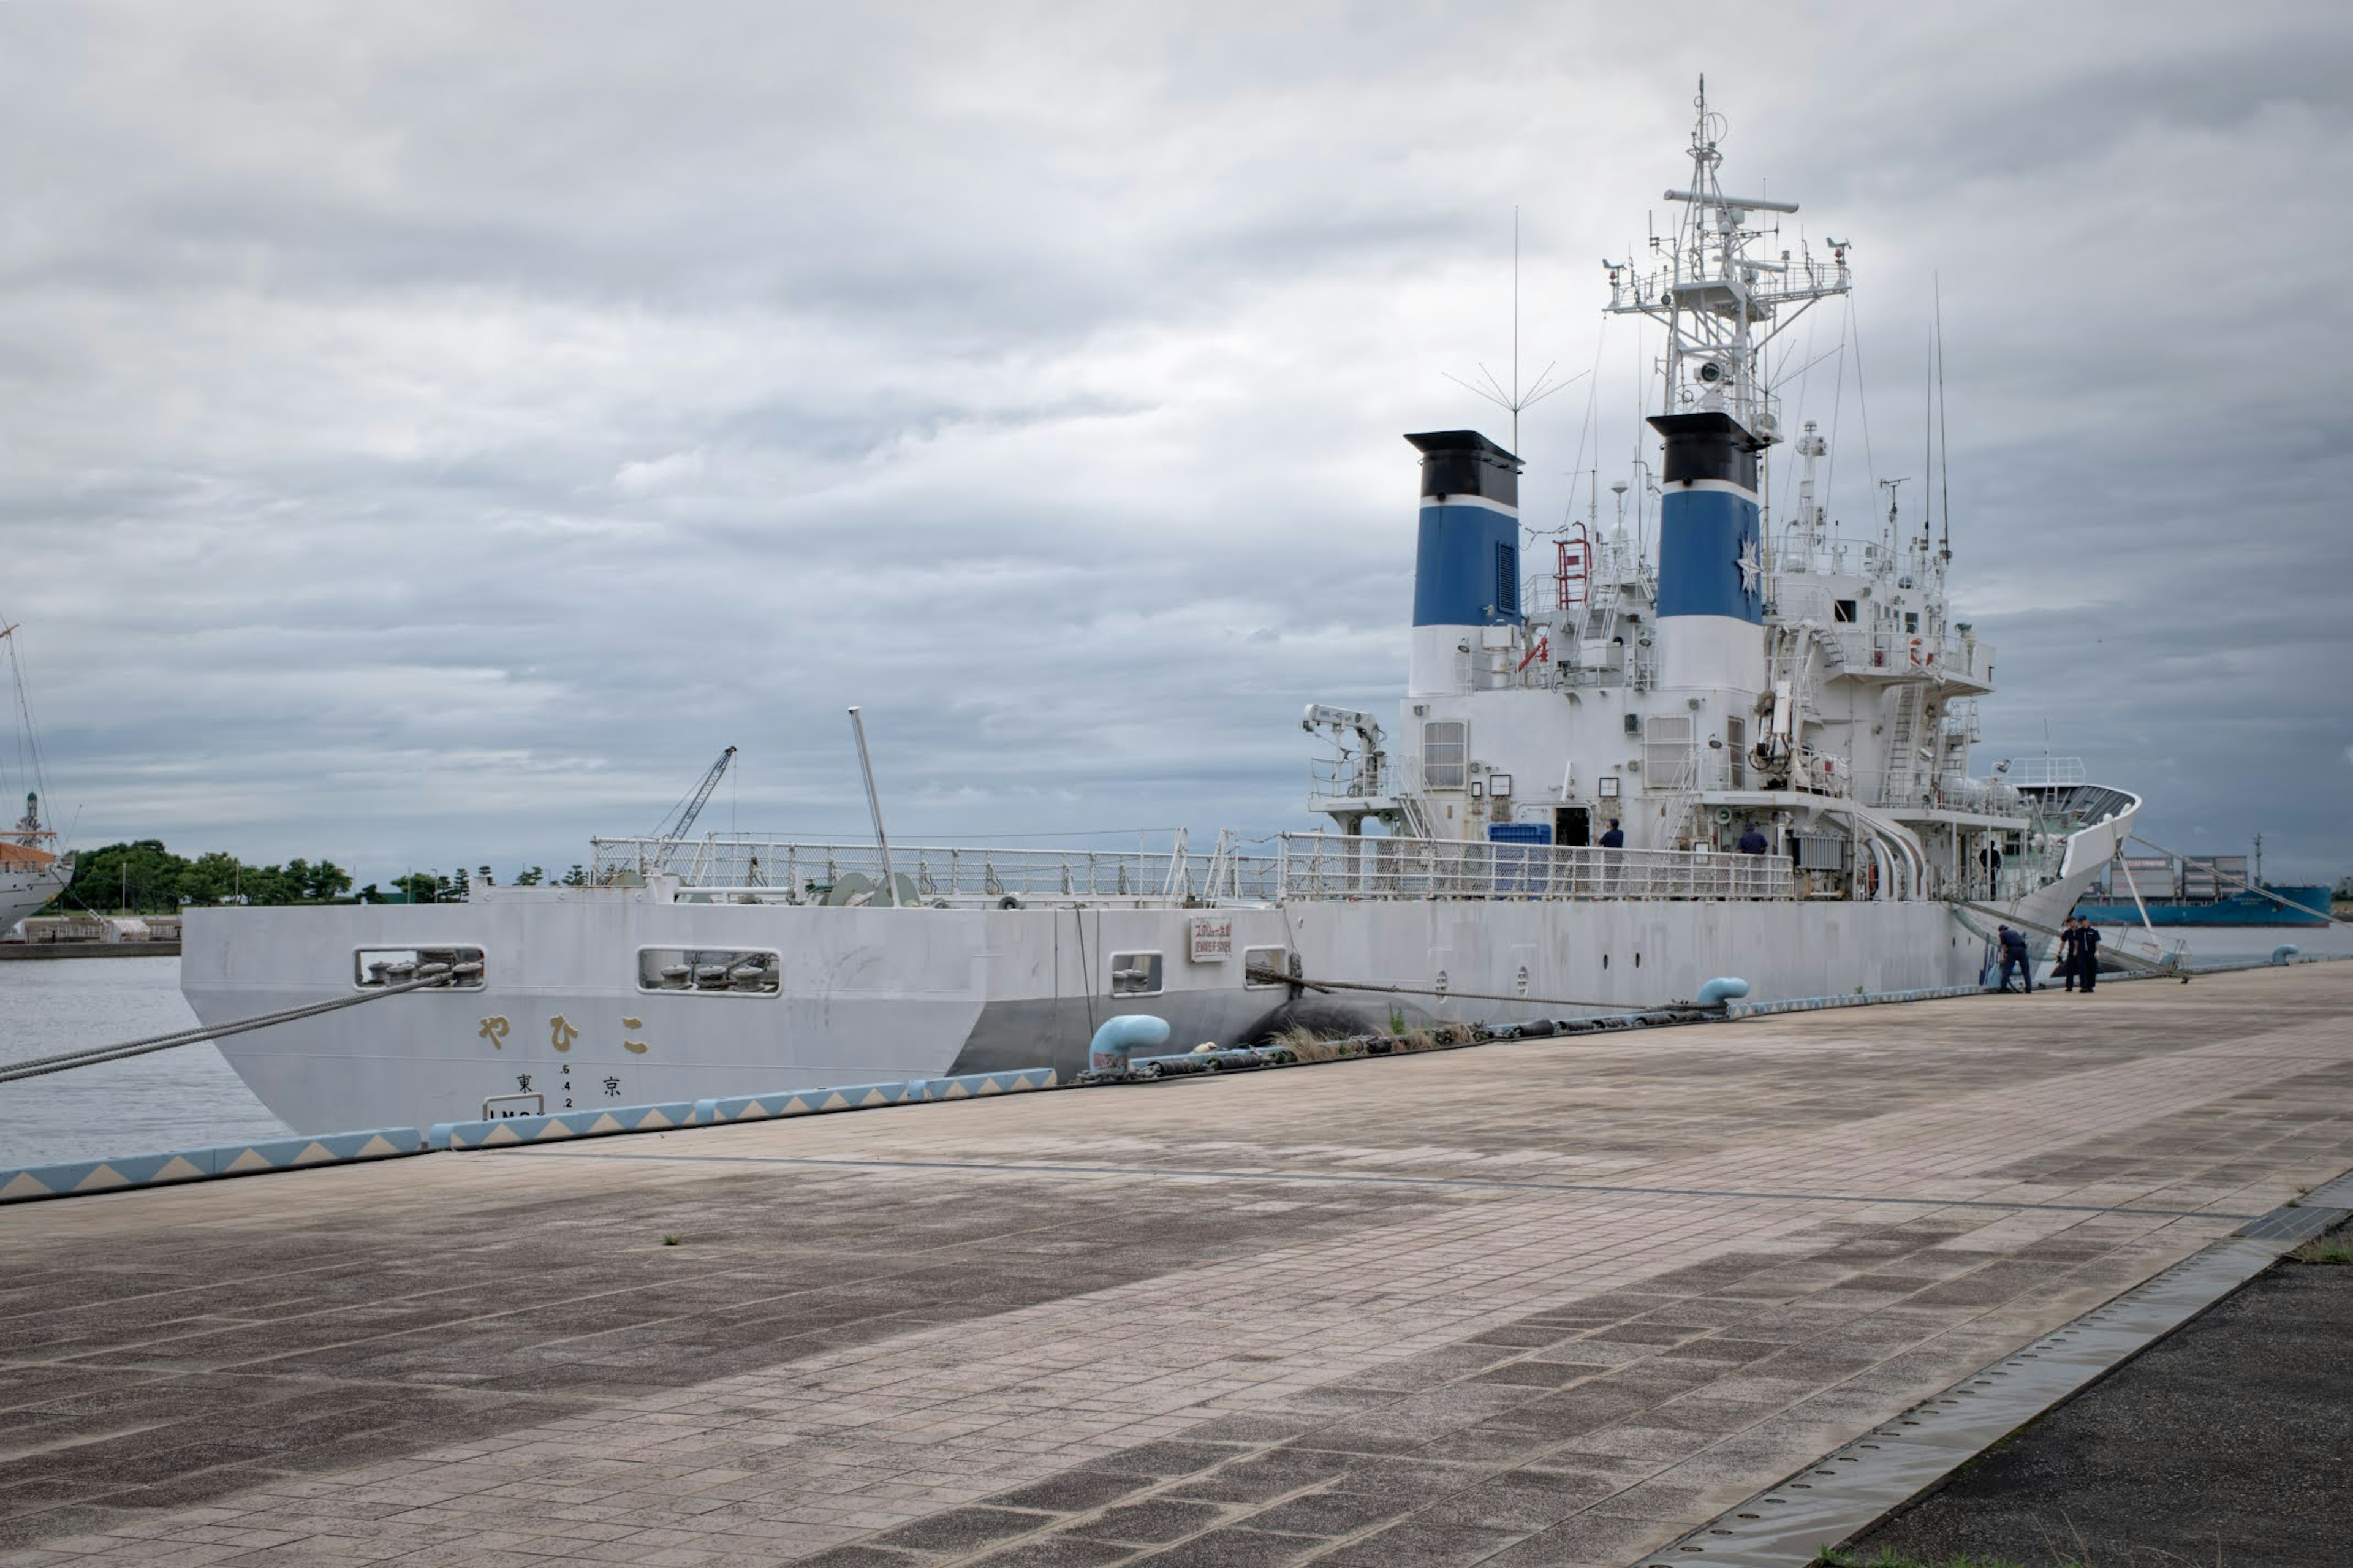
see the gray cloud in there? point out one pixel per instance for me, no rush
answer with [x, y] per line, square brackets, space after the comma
[432, 435]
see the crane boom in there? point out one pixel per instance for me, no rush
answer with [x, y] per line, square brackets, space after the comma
[693, 806]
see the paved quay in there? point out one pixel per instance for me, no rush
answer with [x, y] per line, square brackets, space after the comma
[1547, 1302]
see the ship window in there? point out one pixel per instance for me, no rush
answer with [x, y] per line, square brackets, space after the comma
[1508, 579]
[1134, 973]
[1842, 610]
[374, 967]
[1258, 959]
[1445, 754]
[708, 971]
[1911, 620]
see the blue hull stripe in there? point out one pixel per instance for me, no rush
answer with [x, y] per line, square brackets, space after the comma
[1702, 535]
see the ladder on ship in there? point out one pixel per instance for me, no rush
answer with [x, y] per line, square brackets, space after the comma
[1903, 747]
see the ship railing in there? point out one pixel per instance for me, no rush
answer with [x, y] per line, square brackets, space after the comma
[2048, 771]
[1353, 777]
[1339, 866]
[1884, 650]
[798, 871]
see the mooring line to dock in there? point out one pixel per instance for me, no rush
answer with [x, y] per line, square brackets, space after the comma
[1172, 1171]
[1257, 972]
[98, 1055]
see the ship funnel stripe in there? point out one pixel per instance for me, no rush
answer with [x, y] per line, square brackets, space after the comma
[1466, 568]
[1706, 536]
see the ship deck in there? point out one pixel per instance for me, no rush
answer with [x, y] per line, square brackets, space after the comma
[1551, 1301]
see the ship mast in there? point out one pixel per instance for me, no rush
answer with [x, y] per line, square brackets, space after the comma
[1719, 300]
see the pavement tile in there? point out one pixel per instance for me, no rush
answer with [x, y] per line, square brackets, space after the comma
[941, 1347]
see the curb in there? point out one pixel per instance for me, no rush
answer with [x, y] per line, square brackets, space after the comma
[1854, 1487]
[27, 1184]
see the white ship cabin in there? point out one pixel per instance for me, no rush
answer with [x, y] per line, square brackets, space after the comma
[1803, 684]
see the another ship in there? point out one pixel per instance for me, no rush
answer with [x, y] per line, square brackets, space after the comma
[2200, 890]
[1776, 717]
[32, 871]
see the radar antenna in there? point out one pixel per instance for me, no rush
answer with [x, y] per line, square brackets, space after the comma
[1721, 302]
[1515, 400]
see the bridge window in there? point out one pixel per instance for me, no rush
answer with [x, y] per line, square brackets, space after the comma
[1842, 610]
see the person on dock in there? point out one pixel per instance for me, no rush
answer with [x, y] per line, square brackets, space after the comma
[2071, 949]
[2014, 958]
[2087, 954]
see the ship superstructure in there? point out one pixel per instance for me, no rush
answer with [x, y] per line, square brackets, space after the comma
[1753, 673]
[1776, 716]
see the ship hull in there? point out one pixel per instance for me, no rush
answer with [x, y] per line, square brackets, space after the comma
[887, 995]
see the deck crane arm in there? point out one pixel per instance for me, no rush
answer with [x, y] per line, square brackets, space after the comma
[691, 807]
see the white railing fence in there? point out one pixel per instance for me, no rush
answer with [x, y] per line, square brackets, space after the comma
[1334, 866]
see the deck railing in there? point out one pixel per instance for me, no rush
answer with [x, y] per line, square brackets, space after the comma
[799, 872]
[1305, 865]
[1333, 865]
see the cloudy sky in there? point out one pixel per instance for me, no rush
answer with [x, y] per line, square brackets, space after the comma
[432, 432]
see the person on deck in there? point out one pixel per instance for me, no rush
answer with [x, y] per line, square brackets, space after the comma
[1613, 839]
[1752, 842]
[2014, 958]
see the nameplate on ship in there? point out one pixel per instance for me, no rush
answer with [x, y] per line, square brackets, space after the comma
[1213, 941]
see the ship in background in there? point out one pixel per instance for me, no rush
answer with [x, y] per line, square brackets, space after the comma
[32, 870]
[1778, 714]
[2200, 890]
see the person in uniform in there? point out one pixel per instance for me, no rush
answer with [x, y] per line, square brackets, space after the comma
[2087, 954]
[1613, 839]
[2071, 949]
[1752, 842]
[2014, 960]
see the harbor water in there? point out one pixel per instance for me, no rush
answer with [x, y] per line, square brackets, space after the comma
[180, 1099]
[188, 1097]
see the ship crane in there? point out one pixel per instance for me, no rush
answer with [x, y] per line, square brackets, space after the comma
[691, 807]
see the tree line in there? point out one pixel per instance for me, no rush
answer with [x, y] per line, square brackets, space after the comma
[146, 879]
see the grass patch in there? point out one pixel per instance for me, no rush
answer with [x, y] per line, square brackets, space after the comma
[2336, 1248]
[671, 1238]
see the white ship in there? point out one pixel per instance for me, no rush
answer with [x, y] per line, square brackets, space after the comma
[1778, 717]
[32, 871]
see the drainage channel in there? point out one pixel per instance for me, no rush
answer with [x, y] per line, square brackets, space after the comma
[1788, 1524]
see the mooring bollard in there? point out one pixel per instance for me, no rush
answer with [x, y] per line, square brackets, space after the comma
[2284, 952]
[1717, 992]
[1123, 1033]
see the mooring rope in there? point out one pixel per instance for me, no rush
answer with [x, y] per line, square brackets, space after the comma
[95, 1056]
[1257, 973]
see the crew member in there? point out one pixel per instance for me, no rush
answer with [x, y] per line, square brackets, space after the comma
[1613, 839]
[2014, 960]
[2087, 954]
[1752, 842]
[2071, 949]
